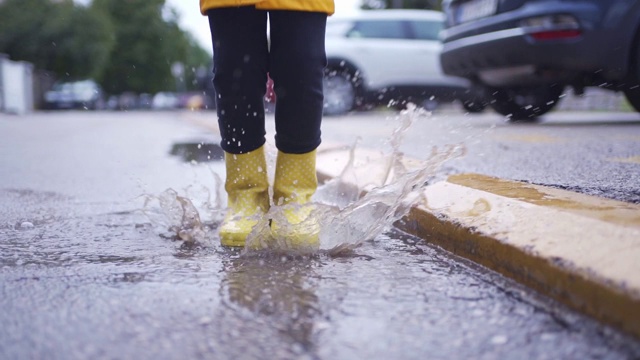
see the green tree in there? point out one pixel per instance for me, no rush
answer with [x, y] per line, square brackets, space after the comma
[148, 41]
[196, 59]
[72, 41]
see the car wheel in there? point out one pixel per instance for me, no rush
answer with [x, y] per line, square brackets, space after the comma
[473, 106]
[339, 92]
[429, 104]
[632, 93]
[632, 88]
[527, 103]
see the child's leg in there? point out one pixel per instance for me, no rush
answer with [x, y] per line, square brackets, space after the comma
[297, 61]
[240, 61]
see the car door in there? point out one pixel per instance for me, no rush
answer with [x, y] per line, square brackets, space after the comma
[384, 53]
[391, 54]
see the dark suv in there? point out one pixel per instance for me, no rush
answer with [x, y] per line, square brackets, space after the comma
[522, 54]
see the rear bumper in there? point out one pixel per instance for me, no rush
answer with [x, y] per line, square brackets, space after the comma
[498, 51]
[510, 56]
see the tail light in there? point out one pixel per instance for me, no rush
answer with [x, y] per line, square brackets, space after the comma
[552, 27]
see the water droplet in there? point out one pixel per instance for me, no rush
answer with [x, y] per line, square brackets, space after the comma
[499, 339]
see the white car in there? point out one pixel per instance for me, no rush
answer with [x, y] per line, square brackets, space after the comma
[383, 56]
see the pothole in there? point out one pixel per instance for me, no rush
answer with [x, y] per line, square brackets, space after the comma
[198, 152]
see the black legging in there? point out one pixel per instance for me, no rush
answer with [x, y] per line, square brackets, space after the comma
[295, 60]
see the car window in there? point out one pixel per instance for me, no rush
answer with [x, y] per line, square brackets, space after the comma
[378, 29]
[426, 30]
[338, 28]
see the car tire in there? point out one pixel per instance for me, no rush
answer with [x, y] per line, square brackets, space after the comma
[632, 93]
[339, 92]
[473, 106]
[525, 104]
[632, 87]
[429, 104]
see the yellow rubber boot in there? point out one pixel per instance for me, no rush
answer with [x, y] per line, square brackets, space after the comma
[247, 187]
[294, 185]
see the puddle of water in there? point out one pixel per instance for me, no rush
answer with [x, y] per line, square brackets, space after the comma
[93, 280]
[346, 219]
[198, 152]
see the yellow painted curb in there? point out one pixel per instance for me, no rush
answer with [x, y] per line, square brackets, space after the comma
[581, 250]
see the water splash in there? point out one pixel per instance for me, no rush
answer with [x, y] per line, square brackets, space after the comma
[346, 217]
[177, 213]
[398, 190]
[182, 215]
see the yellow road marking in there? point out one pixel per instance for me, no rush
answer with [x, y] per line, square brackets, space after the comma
[611, 211]
[629, 160]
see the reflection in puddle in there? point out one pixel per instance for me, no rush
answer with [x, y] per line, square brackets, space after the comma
[128, 277]
[281, 289]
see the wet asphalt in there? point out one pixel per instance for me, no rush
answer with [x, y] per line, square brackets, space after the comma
[595, 153]
[88, 268]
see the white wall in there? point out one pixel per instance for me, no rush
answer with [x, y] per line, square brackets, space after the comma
[16, 86]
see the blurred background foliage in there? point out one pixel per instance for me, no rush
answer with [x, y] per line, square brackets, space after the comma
[126, 45]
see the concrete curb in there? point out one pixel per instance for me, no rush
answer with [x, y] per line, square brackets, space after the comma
[581, 250]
